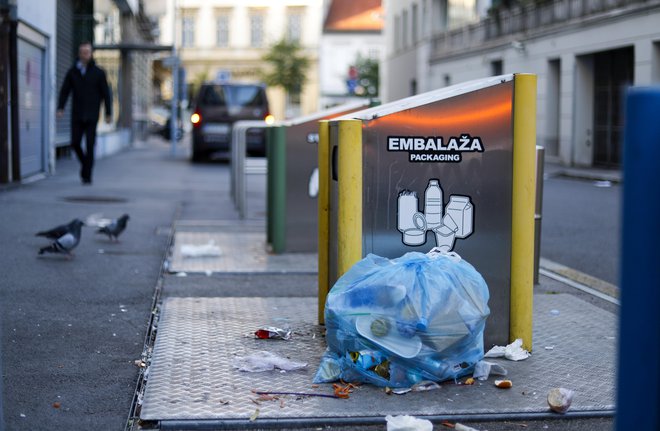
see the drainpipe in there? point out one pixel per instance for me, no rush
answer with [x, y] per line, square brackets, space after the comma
[4, 98]
[13, 93]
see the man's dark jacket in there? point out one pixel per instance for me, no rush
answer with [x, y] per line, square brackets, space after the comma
[88, 91]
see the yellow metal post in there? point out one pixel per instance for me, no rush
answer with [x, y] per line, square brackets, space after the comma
[522, 211]
[349, 174]
[323, 215]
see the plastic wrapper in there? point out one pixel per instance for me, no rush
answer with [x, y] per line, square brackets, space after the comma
[402, 321]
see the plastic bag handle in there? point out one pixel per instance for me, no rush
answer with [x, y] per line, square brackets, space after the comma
[437, 252]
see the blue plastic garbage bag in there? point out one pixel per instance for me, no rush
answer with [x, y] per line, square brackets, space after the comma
[402, 321]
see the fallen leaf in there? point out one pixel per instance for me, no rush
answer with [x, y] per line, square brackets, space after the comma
[56, 405]
[265, 397]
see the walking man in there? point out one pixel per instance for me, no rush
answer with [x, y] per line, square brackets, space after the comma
[88, 85]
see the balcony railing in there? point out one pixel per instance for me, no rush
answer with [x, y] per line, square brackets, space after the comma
[504, 24]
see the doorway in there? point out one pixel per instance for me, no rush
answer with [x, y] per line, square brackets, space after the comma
[613, 73]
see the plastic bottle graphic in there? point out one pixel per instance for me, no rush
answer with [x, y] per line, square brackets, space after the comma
[410, 222]
[433, 205]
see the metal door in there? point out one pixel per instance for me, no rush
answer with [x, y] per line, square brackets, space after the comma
[613, 72]
[31, 108]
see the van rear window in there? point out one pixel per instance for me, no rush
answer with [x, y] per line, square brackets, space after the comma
[233, 95]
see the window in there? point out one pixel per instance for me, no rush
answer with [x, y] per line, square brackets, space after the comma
[397, 32]
[256, 29]
[187, 30]
[294, 24]
[496, 67]
[222, 30]
[447, 80]
[404, 28]
[415, 24]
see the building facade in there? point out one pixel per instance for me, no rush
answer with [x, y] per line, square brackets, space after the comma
[352, 31]
[584, 52]
[226, 40]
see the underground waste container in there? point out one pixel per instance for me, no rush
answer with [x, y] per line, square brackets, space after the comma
[293, 180]
[452, 168]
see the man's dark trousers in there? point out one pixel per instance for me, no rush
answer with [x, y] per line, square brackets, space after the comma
[86, 157]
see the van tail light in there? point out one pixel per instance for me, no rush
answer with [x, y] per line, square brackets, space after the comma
[269, 119]
[196, 119]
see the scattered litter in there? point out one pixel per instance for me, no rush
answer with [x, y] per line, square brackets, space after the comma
[97, 220]
[407, 423]
[447, 424]
[57, 405]
[297, 394]
[181, 274]
[101, 251]
[422, 386]
[460, 427]
[343, 391]
[483, 369]
[208, 272]
[273, 333]
[559, 399]
[554, 312]
[254, 416]
[23, 415]
[503, 384]
[265, 361]
[469, 381]
[513, 351]
[603, 183]
[549, 347]
[204, 250]
[426, 386]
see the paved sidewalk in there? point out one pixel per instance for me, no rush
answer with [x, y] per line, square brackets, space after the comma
[211, 306]
[72, 330]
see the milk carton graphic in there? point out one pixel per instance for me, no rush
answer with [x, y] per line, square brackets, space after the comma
[460, 210]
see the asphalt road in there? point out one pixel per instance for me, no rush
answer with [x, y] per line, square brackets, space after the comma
[581, 226]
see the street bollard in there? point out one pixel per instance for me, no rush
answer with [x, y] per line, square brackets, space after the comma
[638, 397]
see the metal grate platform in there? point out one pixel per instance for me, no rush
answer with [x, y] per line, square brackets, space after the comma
[243, 250]
[191, 376]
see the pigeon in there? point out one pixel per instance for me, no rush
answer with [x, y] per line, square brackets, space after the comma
[58, 231]
[115, 228]
[67, 242]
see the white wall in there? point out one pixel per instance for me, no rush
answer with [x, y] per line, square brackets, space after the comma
[338, 52]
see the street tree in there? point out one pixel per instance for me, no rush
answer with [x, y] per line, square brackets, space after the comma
[288, 68]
